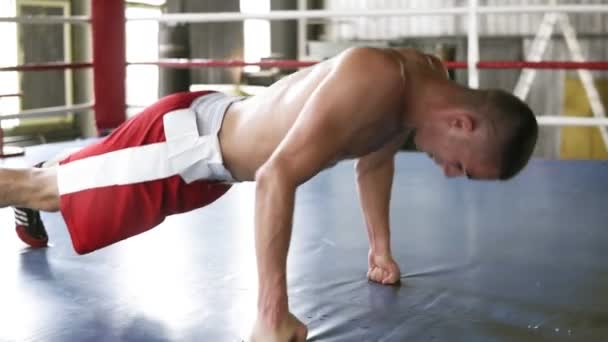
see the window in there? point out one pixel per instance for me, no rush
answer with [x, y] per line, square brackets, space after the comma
[142, 45]
[32, 44]
[9, 80]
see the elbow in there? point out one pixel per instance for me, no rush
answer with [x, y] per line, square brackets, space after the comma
[357, 168]
[273, 174]
[263, 178]
[361, 167]
[265, 174]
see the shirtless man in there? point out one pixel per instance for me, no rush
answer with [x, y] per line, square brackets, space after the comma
[359, 105]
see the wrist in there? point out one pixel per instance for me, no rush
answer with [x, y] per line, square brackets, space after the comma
[380, 248]
[272, 311]
[272, 305]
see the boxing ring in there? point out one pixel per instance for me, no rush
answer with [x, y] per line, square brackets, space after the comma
[480, 261]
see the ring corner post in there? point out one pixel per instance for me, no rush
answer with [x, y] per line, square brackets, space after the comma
[109, 62]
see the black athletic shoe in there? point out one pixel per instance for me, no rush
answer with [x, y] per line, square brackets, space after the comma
[29, 227]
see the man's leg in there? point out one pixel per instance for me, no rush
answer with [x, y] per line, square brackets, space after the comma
[28, 191]
[33, 188]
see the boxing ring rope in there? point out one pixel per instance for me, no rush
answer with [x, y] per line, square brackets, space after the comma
[47, 66]
[108, 22]
[310, 14]
[289, 64]
[553, 120]
[473, 10]
[109, 55]
[560, 120]
[46, 20]
[546, 65]
[48, 111]
[292, 64]
[473, 65]
[328, 14]
[11, 95]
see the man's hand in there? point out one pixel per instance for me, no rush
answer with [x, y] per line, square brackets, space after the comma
[289, 330]
[383, 269]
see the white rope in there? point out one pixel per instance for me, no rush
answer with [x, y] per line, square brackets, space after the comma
[46, 20]
[558, 120]
[319, 14]
[543, 120]
[288, 15]
[328, 14]
[542, 9]
[48, 111]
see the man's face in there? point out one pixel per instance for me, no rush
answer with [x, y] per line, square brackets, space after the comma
[459, 153]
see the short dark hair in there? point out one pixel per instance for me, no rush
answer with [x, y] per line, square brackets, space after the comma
[517, 130]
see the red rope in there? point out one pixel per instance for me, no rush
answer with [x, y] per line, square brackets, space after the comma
[216, 63]
[555, 65]
[292, 64]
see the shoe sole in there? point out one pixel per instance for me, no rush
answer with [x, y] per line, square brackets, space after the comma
[30, 240]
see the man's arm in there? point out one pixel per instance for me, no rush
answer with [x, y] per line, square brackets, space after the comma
[328, 122]
[374, 175]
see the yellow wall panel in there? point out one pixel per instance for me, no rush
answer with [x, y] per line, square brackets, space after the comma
[582, 142]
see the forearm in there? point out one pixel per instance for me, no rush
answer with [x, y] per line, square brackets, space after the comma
[273, 225]
[374, 187]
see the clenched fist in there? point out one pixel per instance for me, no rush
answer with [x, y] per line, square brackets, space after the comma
[383, 269]
[290, 329]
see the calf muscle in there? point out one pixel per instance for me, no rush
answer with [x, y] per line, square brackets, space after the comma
[31, 188]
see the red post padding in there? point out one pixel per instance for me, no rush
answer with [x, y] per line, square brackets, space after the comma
[109, 62]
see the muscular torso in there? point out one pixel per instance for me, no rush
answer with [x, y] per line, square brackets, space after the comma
[253, 128]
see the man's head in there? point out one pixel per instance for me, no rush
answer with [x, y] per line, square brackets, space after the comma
[483, 134]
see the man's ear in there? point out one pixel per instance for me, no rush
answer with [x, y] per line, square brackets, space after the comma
[462, 122]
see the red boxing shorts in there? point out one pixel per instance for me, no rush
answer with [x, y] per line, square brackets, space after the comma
[154, 165]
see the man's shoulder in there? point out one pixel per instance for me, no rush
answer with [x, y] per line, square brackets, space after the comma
[364, 56]
[377, 68]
